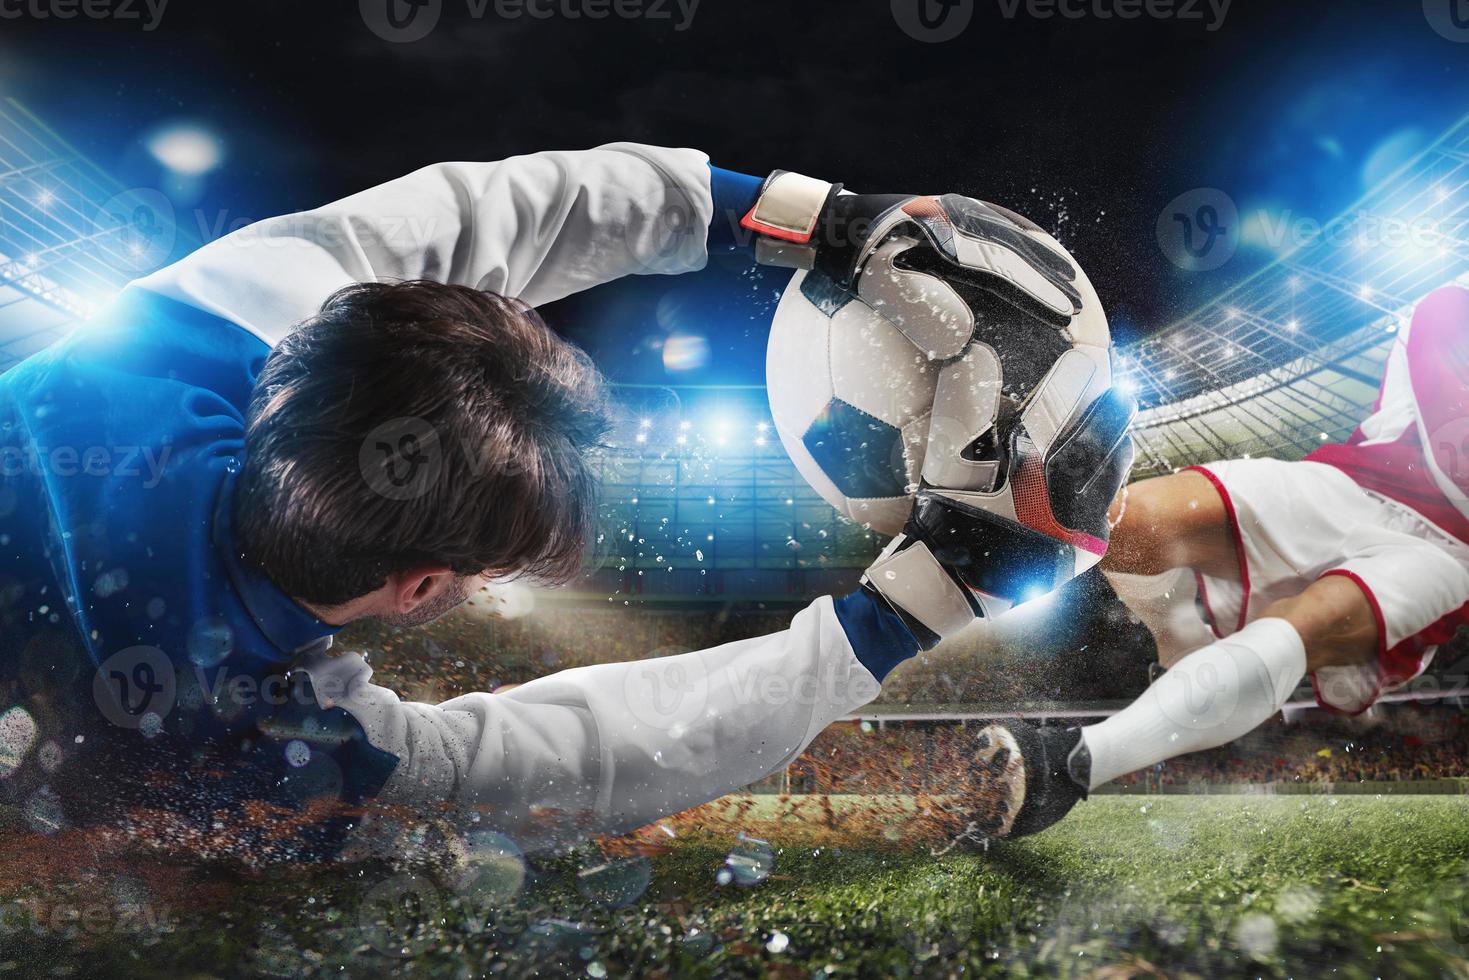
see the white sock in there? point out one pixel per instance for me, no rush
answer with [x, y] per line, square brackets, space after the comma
[1209, 698]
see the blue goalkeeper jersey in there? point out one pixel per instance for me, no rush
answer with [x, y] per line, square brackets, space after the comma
[128, 622]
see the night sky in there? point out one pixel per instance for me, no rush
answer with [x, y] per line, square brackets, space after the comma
[1089, 126]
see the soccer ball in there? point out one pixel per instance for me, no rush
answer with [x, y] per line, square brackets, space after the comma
[852, 395]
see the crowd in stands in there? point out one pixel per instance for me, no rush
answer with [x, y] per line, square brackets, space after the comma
[1409, 742]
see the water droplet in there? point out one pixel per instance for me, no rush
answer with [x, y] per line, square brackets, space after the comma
[17, 734]
[298, 753]
[494, 869]
[615, 884]
[110, 583]
[210, 641]
[43, 811]
[50, 756]
[750, 862]
[151, 724]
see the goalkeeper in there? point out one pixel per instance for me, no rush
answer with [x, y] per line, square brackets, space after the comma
[360, 417]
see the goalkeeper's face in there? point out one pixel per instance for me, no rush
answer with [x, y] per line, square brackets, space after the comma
[448, 599]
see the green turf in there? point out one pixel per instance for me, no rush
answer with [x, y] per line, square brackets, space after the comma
[1182, 886]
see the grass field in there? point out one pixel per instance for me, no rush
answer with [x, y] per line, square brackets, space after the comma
[1176, 886]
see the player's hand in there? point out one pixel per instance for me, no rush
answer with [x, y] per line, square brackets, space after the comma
[966, 554]
[1016, 513]
[1027, 440]
[933, 265]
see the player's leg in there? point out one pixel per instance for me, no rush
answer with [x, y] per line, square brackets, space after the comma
[1367, 623]
[1166, 532]
[1209, 698]
[1177, 521]
[1223, 691]
[1158, 525]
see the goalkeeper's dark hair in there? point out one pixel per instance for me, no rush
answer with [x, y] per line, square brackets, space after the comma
[498, 416]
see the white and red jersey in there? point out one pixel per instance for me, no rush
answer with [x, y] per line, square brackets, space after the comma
[1414, 447]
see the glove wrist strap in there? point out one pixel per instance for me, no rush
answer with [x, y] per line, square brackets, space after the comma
[786, 216]
[916, 585]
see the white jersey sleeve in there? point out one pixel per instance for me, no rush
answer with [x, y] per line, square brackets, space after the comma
[609, 748]
[535, 227]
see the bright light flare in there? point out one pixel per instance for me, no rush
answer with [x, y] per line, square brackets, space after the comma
[187, 149]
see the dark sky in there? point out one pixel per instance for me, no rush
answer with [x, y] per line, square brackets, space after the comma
[1090, 126]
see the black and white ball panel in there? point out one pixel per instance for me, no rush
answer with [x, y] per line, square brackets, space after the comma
[851, 398]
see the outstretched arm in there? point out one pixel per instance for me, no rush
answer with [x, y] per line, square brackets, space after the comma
[608, 748]
[535, 227]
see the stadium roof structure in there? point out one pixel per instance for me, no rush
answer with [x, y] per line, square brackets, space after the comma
[70, 235]
[1292, 356]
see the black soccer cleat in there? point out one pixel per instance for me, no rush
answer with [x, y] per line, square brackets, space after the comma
[1033, 775]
